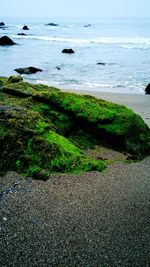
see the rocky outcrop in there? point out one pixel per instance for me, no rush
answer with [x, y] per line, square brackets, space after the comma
[52, 24]
[25, 27]
[5, 40]
[28, 70]
[147, 89]
[68, 51]
[44, 130]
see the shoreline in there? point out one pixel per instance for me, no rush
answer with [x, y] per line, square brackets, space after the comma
[139, 103]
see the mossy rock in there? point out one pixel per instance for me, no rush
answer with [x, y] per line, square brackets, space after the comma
[41, 120]
[29, 145]
[15, 79]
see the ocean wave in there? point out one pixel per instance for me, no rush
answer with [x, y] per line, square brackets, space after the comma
[89, 85]
[97, 87]
[125, 42]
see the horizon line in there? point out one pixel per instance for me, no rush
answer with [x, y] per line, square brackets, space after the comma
[68, 17]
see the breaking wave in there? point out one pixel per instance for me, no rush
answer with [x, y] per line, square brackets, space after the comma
[128, 43]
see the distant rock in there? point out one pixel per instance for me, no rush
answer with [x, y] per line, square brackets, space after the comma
[101, 63]
[68, 51]
[147, 89]
[52, 24]
[25, 27]
[2, 25]
[21, 33]
[5, 40]
[28, 70]
[88, 25]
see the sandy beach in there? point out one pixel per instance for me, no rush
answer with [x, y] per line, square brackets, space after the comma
[91, 220]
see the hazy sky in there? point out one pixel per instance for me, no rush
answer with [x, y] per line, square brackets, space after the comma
[74, 8]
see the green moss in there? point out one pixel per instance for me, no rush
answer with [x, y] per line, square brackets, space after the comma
[31, 147]
[44, 130]
[15, 79]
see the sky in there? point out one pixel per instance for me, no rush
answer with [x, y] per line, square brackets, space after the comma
[75, 8]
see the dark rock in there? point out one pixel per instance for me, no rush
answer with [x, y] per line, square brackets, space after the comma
[101, 63]
[28, 70]
[52, 24]
[68, 51]
[4, 40]
[21, 33]
[88, 25]
[147, 89]
[58, 68]
[2, 26]
[25, 27]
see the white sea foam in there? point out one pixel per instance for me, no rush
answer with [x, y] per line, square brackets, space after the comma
[132, 42]
[94, 86]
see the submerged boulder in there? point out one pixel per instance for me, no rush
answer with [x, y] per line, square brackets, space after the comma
[5, 40]
[28, 70]
[147, 89]
[68, 51]
[25, 27]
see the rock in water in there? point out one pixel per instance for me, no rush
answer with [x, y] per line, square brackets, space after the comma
[147, 89]
[25, 27]
[101, 63]
[68, 51]
[2, 25]
[21, 33]
[52, 24]
[88, 25]
[4, 40]
[28, 70]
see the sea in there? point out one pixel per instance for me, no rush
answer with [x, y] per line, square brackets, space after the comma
[121, 46]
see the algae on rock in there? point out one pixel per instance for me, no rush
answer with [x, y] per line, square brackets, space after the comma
[44, 130]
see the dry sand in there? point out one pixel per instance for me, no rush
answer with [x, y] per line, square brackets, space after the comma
[89, 220]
